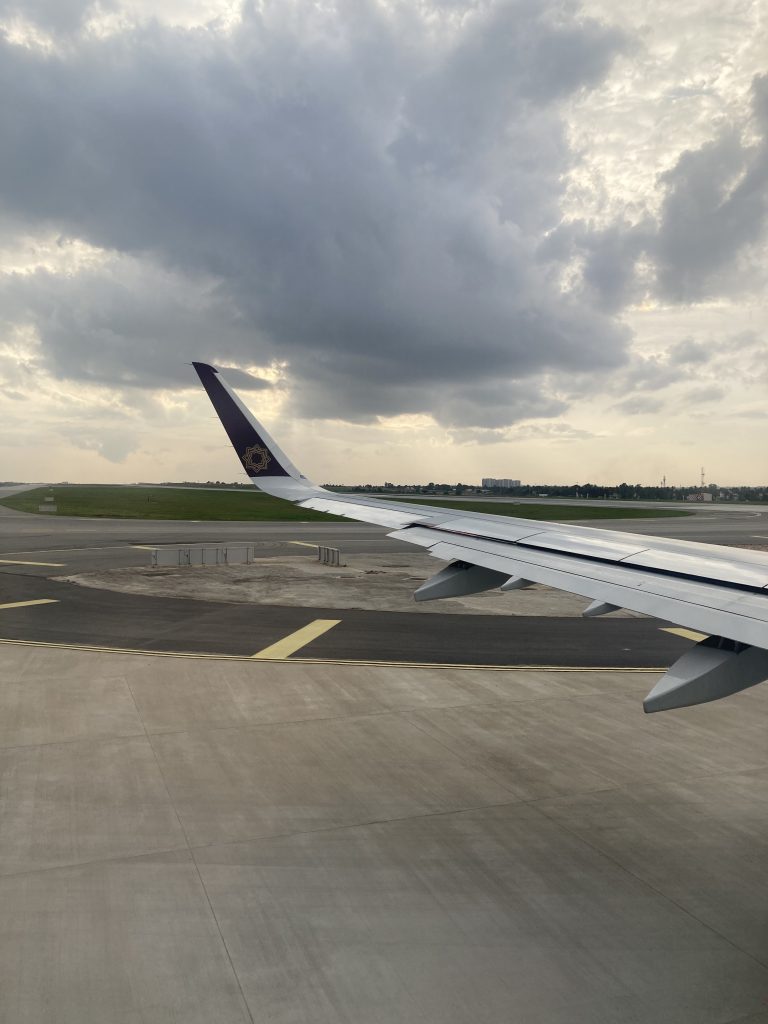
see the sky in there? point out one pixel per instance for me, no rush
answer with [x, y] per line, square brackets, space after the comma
[432, 239]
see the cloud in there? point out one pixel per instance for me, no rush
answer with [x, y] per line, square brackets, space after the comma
[639, 405]
[113, 445]
[707, 393]
[58, 16]
[688, 351]
[355, 192]
[650, 373]
[558, 432]
[126, 322]
[749, 414]
[244, 381]
[716, 205]
[493, 406]
[701, 234]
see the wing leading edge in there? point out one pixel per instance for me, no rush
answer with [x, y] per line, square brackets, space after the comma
[720, 591]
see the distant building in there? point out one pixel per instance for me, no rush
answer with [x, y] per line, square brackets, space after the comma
[492, 481]
[699, 496]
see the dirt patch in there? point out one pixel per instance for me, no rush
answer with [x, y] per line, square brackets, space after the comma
[371, 583]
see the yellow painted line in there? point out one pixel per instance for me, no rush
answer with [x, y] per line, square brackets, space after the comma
[18, 561]
[686, 634]
[331, 661]
[295, 641]
[28, 604]
[303, 543]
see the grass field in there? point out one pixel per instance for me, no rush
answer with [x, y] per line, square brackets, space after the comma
[109, 502]
[113, 502]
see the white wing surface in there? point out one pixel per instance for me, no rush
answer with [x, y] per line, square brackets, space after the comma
[719, 591]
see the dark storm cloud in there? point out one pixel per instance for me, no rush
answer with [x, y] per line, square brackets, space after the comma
[357, 192]
[609, 258]
[126, 323]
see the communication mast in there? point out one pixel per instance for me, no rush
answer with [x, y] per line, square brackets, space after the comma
[702, 477]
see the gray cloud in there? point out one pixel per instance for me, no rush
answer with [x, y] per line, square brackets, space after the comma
[244, 381]
[651, 373]
[128, 322]
[639, 405]
[689, 351]
[609, 259]
[358, 193]
[58, 16]
[716, 204]
[706, 393]
[713, 214]
[113, 445]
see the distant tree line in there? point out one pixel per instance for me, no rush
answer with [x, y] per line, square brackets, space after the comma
[622, 491]
[200, 483]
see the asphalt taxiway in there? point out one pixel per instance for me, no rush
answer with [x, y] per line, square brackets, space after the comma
[36, 552]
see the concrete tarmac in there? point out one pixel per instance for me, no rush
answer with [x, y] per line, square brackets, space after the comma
[233, 842]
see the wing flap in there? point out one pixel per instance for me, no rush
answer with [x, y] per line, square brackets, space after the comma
[700, 566]
[700, 606]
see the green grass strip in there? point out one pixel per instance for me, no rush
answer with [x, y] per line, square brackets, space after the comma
[118, 502]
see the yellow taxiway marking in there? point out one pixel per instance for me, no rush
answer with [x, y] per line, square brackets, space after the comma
[295, 641]
[17, 561]
[303, 543]
[686, 634]
[452, 666]
[28, 604]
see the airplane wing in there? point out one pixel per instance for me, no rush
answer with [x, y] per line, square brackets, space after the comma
[719, 591]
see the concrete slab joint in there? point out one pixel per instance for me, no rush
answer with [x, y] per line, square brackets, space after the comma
[235, 841]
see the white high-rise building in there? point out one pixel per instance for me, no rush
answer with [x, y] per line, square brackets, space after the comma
[492, 481]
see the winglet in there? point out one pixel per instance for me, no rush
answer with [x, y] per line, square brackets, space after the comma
[269, 468]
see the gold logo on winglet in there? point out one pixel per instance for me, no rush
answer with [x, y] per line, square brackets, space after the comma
[256, 458]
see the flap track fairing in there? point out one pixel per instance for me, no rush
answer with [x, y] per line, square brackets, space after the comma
[459, 579]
